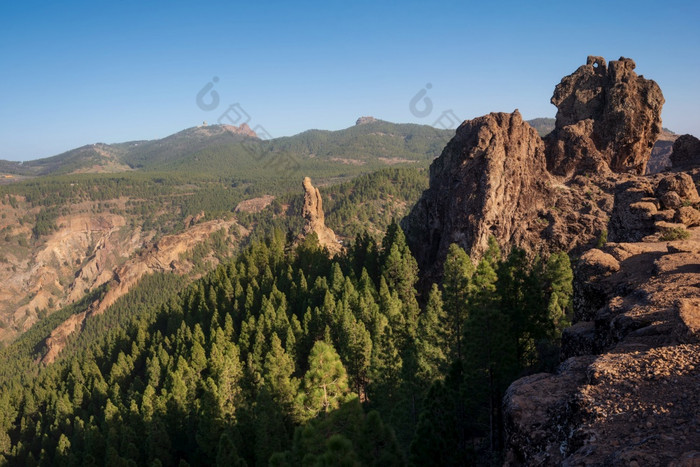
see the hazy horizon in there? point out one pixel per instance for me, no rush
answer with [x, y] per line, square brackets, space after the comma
[79, 73]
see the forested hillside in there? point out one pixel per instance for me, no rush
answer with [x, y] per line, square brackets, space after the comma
[228, 150]
[284, 356]
[66, 230]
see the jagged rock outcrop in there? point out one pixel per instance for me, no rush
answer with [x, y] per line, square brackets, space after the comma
[686, 152]
[314, 219]
[365, 120]
[243, 129]
[499, 184]
[626, 392]
[490, 179]
[608, 117]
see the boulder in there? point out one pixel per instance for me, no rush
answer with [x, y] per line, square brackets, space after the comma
[671, 200]
[686, 152]
[681, 183]
[595, 262]
[688, 216]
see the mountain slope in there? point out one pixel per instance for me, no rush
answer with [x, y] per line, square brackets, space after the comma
[213, 148]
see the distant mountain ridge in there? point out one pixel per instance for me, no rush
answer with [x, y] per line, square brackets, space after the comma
[131, 155]
[355, 145]
[367, 140]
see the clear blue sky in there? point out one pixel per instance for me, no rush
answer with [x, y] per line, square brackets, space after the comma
[74, 72]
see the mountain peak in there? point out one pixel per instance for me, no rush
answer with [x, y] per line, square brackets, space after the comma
[365, 120]
[244, 130]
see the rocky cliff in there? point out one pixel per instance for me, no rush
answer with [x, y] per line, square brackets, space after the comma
[491, 179]
[80, 255]
[166, 255]
[498, 177]
[660, 159]
[626, 392]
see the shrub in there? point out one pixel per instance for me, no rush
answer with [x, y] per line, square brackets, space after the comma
[677, 233]
[603, 239]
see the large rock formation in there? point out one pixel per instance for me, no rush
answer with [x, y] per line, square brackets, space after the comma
[491, 179]
[365, 120]
[608, 117]
[627, 392]
[686, 152]
[315, 219]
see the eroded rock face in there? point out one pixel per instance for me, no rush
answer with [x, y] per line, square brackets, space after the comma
[491, 179]
[164, 256]
[315, 219]
[607, 116]
[686, 152]
[244, 130]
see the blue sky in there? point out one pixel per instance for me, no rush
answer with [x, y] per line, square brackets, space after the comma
[74, 73]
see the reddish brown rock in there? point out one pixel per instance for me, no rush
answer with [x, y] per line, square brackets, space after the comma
[490, 180]
[686, 152]
[671, 200]
[680, 183]
[164, 256]
[598, 263]
[244, 130]
[634, 400]
[688, 216]
[606, 115]
[315, 219]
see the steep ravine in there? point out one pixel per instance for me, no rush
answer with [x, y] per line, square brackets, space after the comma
[77, 257]
[166, 255]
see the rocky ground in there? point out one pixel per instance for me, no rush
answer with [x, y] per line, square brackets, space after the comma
[627, 393]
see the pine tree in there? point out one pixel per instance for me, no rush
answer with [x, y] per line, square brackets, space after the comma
[560, 279]
[325, 384]
[431, 342]
[490, 353]
[227, 454]
[458, 272]
[355, 347]
[281, 386]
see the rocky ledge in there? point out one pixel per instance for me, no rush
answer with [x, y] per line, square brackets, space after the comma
[627, 392]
